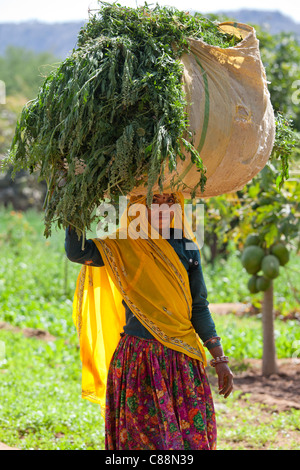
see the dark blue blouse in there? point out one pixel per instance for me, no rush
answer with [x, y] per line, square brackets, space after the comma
[201, 317]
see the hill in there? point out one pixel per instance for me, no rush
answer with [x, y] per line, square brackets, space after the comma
[60, 38]
[57, 38]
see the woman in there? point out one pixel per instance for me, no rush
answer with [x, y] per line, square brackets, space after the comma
[145, 363]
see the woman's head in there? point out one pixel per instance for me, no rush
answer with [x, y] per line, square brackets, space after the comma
[165, 211]
[160, 213]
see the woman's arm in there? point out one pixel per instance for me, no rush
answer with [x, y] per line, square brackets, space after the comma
[205, 326]
[225, 376]
[201, 317]
[89, 256]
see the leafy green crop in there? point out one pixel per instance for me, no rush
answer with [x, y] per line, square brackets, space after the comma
[41, 405]
[114, 112]
[285, 141]
[40, 383]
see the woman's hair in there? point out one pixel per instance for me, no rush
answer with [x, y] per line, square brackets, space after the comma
[137, 198]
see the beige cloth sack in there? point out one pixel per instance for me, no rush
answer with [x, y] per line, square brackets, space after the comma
[230, 115]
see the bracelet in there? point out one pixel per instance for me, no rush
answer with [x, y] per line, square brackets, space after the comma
[212, 340]
[219, 360]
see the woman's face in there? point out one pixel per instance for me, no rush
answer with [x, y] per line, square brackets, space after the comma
[161, 216]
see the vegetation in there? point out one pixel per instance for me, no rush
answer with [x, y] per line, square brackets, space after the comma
[41, 407]
[225, 218]
[115, 107]
[280, 55]
[264, 214]
[41, 404]
[269, 205]
[24, 71]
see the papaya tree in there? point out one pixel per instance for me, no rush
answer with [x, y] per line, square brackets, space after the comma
[269, 219]
[262, 220]
[267, 208]
[273, 210]
[263, 263]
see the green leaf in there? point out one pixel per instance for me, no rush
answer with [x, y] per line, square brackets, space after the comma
[271, 235]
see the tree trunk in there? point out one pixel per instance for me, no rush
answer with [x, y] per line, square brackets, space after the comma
[269, 365]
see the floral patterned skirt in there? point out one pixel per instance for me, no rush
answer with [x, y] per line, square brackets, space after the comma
[157, 399]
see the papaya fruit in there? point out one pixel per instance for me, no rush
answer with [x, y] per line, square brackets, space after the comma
[252, 239]
[270, 266]
[251, 258]
[262, 283]
[252, 285]
[281, 252]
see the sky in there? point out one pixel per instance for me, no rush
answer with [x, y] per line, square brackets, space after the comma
[76, 10]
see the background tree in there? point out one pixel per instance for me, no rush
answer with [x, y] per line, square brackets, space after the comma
[264, 206]
[24, 71]
[268, 206]
[260, 217]
[270, 217]
[281, 57]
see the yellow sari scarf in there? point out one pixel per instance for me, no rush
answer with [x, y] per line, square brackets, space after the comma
[148, 274]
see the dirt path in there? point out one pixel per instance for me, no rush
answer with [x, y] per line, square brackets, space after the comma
[281, 390]
[5, 447]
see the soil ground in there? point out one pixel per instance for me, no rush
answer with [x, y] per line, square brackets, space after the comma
[281, 390]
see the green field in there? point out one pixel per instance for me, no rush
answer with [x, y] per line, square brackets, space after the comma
[40, 382]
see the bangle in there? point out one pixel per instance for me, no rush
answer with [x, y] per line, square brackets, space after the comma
[212, 340]
[219, 360]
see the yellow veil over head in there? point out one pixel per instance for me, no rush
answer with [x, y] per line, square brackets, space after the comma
[149, 276]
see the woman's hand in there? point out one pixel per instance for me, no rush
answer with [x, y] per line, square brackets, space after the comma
[225, 379]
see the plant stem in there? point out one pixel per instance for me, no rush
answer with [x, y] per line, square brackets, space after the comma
[269, 365]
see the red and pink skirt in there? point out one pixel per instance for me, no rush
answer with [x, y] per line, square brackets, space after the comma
[157, 399]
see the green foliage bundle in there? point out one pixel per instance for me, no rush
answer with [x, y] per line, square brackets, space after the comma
[113, 113]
